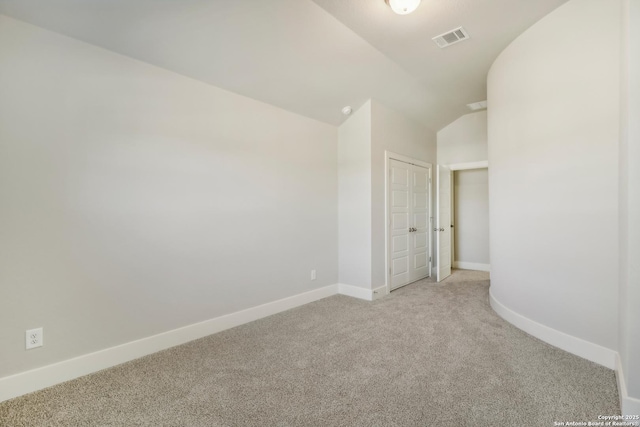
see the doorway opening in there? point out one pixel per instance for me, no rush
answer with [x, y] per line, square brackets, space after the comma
[462, 223]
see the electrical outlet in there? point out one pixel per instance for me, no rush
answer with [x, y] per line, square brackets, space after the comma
[34, 338]
[313, 275]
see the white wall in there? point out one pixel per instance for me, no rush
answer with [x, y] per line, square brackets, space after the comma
[396, 133]
[553, 127]
[471, 217]
[354, 208]
[135, 200]
[363, 139]
[464, 140]
[629, 294]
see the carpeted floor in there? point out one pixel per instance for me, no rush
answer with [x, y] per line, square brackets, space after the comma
[427, 355]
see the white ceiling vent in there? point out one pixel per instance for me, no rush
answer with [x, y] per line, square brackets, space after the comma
[451, 37]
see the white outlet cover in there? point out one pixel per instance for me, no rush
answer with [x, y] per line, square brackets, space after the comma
[34, 338]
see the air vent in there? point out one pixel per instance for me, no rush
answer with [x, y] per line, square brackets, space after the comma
[451, 37]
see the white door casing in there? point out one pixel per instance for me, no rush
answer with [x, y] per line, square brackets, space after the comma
[408, 210]
[443, 223]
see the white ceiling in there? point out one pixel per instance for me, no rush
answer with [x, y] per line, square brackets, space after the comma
[311, 57]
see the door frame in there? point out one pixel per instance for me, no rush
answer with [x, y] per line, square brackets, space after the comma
[389, 155]
[470, 165]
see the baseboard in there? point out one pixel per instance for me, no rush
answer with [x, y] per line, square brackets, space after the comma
[629, 405]
[471, 266]
[379, 292]
[355, 292]
[585, 349]
[46, 376]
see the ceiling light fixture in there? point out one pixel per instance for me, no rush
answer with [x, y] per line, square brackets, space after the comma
[403, 7]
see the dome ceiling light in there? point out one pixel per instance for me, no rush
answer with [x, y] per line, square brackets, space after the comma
[403, 7]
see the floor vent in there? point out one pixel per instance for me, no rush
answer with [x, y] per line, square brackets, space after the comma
[451, 37]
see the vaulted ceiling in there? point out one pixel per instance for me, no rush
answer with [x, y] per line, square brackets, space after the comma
[311, 57]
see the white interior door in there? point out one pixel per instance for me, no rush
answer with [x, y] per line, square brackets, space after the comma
[443, 223]
[419, 262]
[399, 223]
[452, 211]
[408, 211]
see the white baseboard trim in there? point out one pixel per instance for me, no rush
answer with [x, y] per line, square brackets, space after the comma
[471, 266]
[362, 293]
[355, 292]
[46, 376]
[629, 405]
[585, 349]
[380, 292]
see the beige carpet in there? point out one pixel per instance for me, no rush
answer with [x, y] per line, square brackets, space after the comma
[427, 355]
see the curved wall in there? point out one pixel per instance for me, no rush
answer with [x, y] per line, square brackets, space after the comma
[553, 132]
